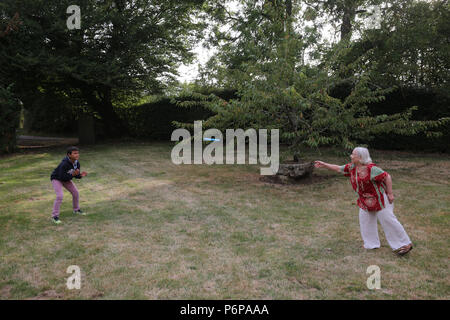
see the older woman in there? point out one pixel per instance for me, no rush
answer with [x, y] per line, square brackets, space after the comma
[375, 200]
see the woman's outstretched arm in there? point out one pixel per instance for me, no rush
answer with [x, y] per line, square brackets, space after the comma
[321, 164]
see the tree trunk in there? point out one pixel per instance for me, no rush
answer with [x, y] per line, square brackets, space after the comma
[112, 125]
[346, 26]
[347, 21]
[86, 129]
[348, 18]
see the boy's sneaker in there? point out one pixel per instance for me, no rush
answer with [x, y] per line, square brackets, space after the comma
[79, 212]
[56, 220]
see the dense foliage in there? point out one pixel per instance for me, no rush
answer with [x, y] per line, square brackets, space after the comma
[9, 119]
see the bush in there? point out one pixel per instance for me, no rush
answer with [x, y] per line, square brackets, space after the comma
[9, 120]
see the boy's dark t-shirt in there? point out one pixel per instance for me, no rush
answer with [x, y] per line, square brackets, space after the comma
[63, 172]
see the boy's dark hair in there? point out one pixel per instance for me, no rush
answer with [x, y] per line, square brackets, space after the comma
[70, 149]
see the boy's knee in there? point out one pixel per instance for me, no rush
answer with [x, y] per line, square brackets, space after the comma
[59, 197]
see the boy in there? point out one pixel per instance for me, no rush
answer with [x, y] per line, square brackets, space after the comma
[62, 177]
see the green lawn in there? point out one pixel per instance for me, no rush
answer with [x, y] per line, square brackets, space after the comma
[155, 230]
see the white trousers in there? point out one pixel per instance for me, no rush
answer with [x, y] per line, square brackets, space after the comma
[393, 230]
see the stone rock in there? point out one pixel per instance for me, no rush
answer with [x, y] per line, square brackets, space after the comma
[291, 172]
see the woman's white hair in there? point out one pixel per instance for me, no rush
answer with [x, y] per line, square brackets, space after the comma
[364, 155]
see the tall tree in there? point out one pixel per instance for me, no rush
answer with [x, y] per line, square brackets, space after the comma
[412, 47]
[343, 13]
[123, 47]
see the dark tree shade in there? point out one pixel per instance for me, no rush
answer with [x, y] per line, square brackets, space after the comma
[123, 47]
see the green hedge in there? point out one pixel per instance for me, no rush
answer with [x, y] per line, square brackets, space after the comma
[154, 120]
[50, 113]
[433, 104]
[9, 120]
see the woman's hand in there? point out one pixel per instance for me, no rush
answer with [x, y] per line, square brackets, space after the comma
[84, 174]
[389, 193]
[390, 197]
[319, 164]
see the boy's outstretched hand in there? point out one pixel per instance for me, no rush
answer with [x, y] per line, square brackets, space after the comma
[84, 174]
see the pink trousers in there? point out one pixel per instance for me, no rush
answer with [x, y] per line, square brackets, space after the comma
[70, 186]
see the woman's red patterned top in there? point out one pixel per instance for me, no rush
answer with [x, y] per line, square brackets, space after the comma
[368, 183]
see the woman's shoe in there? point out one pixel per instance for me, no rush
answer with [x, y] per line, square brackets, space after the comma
[404, 250]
